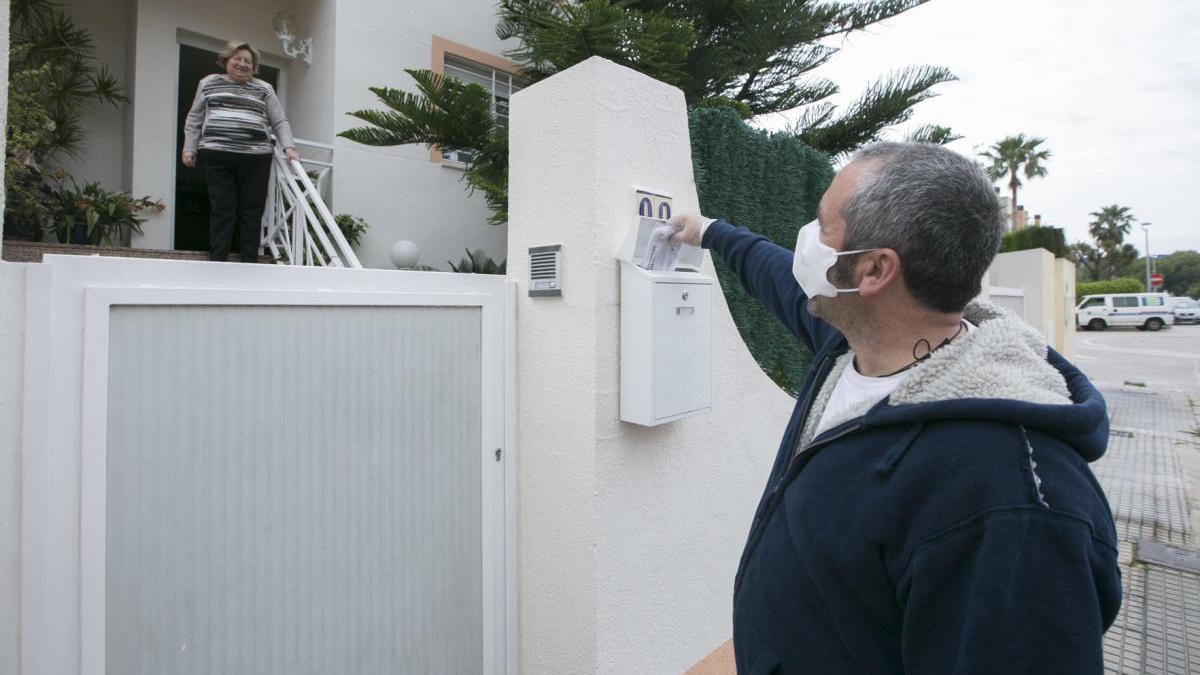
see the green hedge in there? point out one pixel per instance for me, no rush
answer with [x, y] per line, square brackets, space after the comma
[1050, 238]
[771, 184]
[1122, 285]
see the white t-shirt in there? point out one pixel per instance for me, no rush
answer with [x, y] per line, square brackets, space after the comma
[855, 390]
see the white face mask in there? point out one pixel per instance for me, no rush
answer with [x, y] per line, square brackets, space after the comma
[813, 261]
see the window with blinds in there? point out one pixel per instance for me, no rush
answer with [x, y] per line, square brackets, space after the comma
[501, 84]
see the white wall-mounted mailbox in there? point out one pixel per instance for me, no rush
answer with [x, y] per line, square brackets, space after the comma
[666, 332]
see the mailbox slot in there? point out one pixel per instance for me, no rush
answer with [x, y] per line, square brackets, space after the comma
[666, 335]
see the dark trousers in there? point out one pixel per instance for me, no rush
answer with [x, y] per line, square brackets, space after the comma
[237, 191]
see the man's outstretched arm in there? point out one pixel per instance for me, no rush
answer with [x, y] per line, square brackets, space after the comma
[764, 269]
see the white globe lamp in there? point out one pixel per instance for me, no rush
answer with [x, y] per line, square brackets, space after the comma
[405, 254]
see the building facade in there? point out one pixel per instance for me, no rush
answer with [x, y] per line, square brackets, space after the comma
[160, 48]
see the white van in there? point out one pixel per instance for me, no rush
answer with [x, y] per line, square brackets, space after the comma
[1146, 311]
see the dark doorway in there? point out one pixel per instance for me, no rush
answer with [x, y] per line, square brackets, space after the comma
[191, 191]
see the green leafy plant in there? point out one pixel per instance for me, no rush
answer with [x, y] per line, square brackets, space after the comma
[45, 36]
[772, 184]
[478, 262]
[1180, 269]
[28, 195]
[444, 113]
[1109, 257]
[760, 53]
[352, 227]
[53, 78]
[97, 216]
[755, 56]
[1122, 285]
[1050, 238]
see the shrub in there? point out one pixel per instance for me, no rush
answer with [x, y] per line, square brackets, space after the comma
[352, 227]
[1122, 285]
[478, 262]
[1050, 238]
[772, 184]
[53, 78]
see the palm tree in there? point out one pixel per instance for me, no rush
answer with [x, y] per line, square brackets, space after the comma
[1109, 226]
[1012, 156]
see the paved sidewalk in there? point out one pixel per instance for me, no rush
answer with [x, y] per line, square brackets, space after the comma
[1151, 475]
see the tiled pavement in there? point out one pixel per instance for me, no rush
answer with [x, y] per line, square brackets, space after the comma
[1145, 477]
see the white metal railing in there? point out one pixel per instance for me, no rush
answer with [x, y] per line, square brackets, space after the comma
[298, 228]
[322, 169]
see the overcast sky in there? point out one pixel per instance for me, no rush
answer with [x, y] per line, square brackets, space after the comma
[1113, 86]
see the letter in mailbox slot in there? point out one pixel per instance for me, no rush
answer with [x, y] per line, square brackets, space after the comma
[666, 331]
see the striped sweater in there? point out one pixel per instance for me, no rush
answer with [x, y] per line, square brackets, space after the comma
[234, 117]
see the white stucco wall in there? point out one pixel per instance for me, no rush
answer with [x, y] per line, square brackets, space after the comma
[1036, 272]
[102, 157]
[629, 536]
[309, 101]
[398, 190]
[1064, 301]
[12, 362]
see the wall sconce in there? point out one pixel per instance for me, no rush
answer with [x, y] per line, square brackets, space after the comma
[291, 46]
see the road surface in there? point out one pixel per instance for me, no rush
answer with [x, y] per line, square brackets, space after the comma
[1167, 360]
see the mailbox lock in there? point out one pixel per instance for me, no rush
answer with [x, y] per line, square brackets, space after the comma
[684, 296]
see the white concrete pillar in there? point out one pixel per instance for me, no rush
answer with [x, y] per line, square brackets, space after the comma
[629, 537]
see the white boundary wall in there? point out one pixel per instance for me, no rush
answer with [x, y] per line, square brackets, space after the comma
[1046, 288]
[12, 342]
[629, 536]
[55, 602]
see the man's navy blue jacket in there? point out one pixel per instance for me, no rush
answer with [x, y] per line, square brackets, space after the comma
[954, 527]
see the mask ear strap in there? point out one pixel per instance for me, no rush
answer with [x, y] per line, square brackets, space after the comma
[861, 250]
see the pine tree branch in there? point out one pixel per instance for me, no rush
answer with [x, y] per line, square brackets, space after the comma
[850, 17]
[887, 102]
[932, 133]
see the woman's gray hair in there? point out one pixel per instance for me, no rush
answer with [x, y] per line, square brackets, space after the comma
[234, 46]
[936, 210]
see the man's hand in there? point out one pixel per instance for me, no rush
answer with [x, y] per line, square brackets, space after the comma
[689, 228]
[291, 153]
[188, 158]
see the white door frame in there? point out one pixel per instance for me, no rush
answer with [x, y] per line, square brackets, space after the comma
[63, 511]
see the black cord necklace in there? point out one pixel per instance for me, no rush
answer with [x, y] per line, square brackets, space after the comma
[929, 349]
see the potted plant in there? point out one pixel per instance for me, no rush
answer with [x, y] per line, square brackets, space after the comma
[93, 215]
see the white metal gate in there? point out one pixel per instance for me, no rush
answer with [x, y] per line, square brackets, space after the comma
[236, 468]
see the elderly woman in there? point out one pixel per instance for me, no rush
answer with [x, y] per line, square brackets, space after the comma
[228, 126]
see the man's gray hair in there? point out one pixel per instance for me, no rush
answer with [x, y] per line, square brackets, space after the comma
[936, 210]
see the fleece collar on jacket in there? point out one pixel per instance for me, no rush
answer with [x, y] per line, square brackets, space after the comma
[1002, 371]
[1003, 358]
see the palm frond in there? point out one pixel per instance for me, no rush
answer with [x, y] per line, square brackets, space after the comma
[445, 112]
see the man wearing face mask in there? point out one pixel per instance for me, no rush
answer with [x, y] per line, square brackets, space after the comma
[930, 509]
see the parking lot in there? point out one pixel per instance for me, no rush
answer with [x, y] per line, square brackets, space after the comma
[1167, 360]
